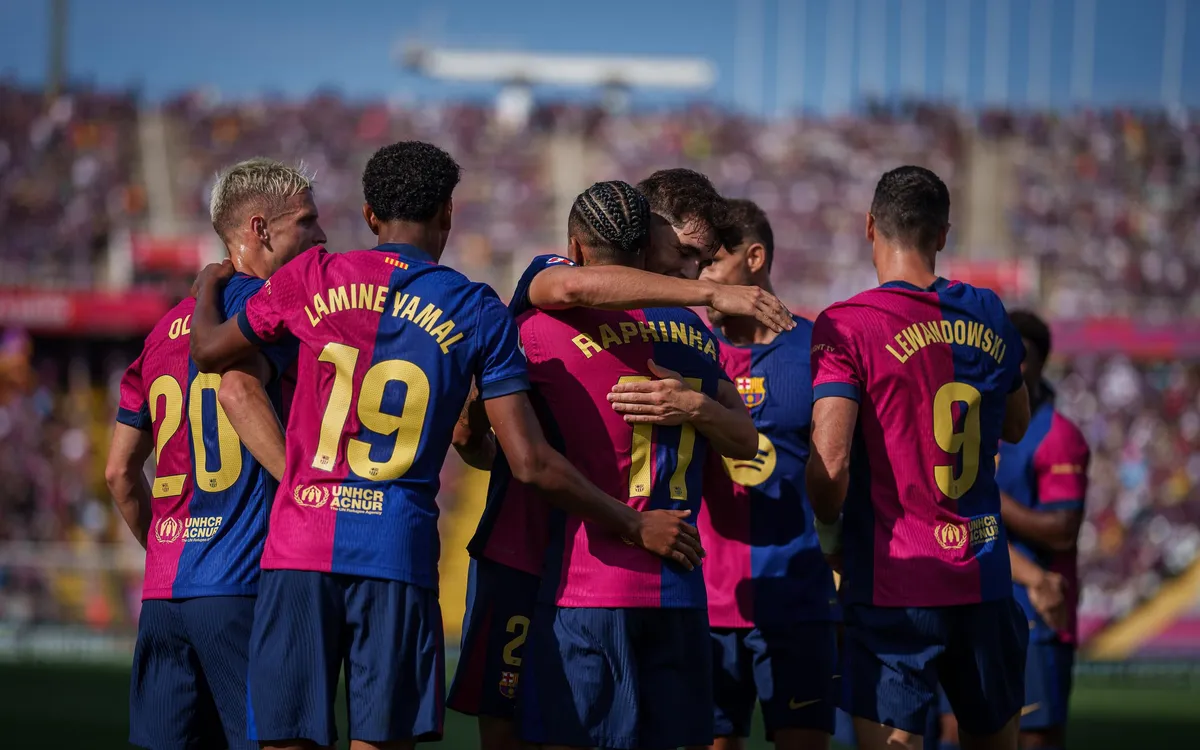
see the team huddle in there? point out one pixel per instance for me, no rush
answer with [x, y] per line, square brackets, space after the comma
[875, 511]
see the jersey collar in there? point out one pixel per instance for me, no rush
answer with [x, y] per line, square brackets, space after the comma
[411, 252]
[938, 285]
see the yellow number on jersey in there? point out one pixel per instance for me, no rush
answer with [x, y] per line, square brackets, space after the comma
[520, 625]
[643, 439]
[407, 426]
[965, 442]
[166, 388]
[229, 447]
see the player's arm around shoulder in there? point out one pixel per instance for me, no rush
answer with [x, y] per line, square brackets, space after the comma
[215, 344]
[565, 285]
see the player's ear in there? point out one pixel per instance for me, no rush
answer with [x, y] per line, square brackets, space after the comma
[870, 231]
[371, 219]
[258, 225]
[756, 257]
[575, 251]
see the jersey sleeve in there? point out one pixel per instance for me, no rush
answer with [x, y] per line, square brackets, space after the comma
[500, 368]
[133, 409]
[264, 319]
[240, 289]
[520, 299]
[1061, 465]
[835, 363]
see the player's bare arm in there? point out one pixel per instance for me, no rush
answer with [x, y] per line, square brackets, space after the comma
[827, 475]
[126, 480]
[624, 288]
[1016, 415]
[1047, 590]
[1054, 530]
[670, 401]
[244, 399]
[473, 438]
[534, 462]
[215, 346]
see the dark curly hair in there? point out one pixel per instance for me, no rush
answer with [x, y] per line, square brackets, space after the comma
[680, 194]
[749, 224]
[611, 216]
[911, 205]
[1033, 329]
[409, 181]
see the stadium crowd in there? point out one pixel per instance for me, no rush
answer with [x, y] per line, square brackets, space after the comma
[1107, 203]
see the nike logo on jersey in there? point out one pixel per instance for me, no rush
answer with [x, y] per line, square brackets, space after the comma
[792, 704]
[1026, 710]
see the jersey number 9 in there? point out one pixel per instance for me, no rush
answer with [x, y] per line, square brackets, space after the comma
[964, 442]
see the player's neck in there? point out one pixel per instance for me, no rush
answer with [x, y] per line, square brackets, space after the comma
[421, 236]
[743, 331]
[904, 264]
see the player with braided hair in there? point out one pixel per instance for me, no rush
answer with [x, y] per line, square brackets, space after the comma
[608, 239]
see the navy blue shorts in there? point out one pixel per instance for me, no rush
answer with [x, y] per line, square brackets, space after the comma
[845, 736]
[388, 635]
[188, 684]
[618, 678]
[500, 604]
[789, 669]
[1049, 673]
[896, 656]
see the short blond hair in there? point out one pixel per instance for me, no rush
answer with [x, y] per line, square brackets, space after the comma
[257, 182]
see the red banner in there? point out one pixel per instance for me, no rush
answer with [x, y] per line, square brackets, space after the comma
[83, 312]
[1011, 279]
[154, 253]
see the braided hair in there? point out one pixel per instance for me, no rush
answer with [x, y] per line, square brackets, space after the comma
[611, 217]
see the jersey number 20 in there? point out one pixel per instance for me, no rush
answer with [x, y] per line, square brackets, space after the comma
[229, 448]
[640, 475]
[407, 427]
[964, 442]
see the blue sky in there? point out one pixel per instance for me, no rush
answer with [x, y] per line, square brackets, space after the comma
[823, 58]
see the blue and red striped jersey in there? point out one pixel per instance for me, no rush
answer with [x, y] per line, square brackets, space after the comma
[1047, 471]
[931, 369]
[210, 497]
[764, 564]
[389, 344]
[575, 358]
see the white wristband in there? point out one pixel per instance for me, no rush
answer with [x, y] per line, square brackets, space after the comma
[829, 535]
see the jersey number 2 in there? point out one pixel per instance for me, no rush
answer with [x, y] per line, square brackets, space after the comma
[407, 427]
[965, 442]
[640, 475]
[229, 448]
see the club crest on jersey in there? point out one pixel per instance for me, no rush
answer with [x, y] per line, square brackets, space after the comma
[508, 685]
[310, 495]
[753, 390]
[950, 535]
[556, 261]
[168, 530]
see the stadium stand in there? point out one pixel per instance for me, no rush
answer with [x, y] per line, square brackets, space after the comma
[1086, 217]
